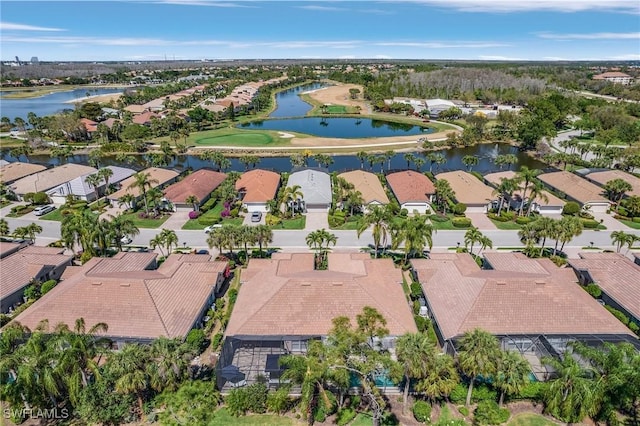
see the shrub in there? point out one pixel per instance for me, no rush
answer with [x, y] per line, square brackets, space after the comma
[257, 398]
[47, 286]
[571, 208]
[489, 413]
[197, 340]
[459, 209]
[461, 222]
[458, 394]
[422, 324]
[325, 407]
[404, 212]
[590, 223]
[509, 215]
[594, 290]
[422, 411]
[523, 220]
[616, 313]
[345, 415]
[416, 290]
[193, 214]
[272, 220]
[531, 391]
[498, 218]
[234, 212]
[207, 221]
[339, 214]
[479, 393]
[208, 205]
[37, 198]
[233, 295]
[463, 410]
[634, 327]
[279, 401]
[636, 220]
[236, 402]
[623, 212]
[439, 218]
[355, 401]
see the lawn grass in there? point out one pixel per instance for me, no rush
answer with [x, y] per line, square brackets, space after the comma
[630, 223]
[506, 226]
[530, 419]
[22, 212]
[362, 419]
[223, 418]
[295, 223]
[55, 215]
[350, 225]
[237, 137]
[336, 109]
[146, 223]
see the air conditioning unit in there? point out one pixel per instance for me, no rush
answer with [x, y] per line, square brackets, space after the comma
[424, 312]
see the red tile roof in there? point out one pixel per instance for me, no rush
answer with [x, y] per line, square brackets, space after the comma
[90, 125]
[18, 269]
[138, 304]
[258, 185]
[199, 183]
[286, 296]
[519, 296]
[410, 186]
[616, 275]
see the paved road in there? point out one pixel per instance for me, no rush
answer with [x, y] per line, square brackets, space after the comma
[346, 239]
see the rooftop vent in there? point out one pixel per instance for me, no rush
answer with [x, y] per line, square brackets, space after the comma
[125, 284]
[96, 283]
[501, 283]
[540, 282]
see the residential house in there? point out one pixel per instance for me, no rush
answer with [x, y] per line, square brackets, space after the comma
[315, 187]
[436, 106]
[577, 189]
[80, 188]
[614, 77]
[51, 178]
[200, 184]
[551, 205]
[283, 303]
[617, 276]
[469, 190]
[369, 186]
[257, 187]
[413, 190]
[601, 177]
[138, 302]
[22, 266]
[531, 305]
[158, 176]
[11, 172]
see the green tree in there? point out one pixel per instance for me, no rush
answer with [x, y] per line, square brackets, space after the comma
[512, 374]
[192, 404]
[414, 233]
[620, 238]
[143, 182]
[379, 219]
[441, 378]
[616, 188]
[129, 364]
[478, 355]
[291, 195]
[444, 194]
[470, 161]
[264, 236]
[525, 176]
[415, 353]
[4, 227]
[193, 200]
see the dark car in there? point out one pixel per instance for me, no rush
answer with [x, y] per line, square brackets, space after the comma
[256, 216]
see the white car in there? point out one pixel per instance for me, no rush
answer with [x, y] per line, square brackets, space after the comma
[42, 210]
[126, 240]
[212, 227]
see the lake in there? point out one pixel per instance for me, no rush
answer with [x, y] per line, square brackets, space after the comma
[48, 104]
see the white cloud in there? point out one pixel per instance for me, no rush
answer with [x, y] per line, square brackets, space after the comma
[383, 57]
[89, 41]
[322, 8]
[443, 45]
[10, 26]
[505, 6]
[377, 11]
[554, 58]
[591, 36]
[627, 57]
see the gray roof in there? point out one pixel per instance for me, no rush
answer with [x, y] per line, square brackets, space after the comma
[80, 187]
[315, 186]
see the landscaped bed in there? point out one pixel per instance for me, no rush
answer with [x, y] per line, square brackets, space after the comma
[295, 223]
[150, 222]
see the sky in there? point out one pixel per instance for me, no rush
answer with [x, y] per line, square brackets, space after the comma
[140, 30]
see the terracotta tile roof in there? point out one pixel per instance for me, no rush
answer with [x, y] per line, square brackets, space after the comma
[258, 185]
[286, 296]
[468, 188]
[144, 118]
[514, 299]
[90, 125]
[410, 186]
[50, 178]
[610, 74]
[495, 179]
[17, 170]
[199, 183]
[18, 269]
[574, 186]
[601, 178]
[368, 184]
[135, 109]
[6, 248]
[161, 175]
[616, 275]
[138, 304]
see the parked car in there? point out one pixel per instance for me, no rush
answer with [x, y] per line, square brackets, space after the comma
[202, 252]
[126, 240]
[256, 216]
[212, 227]
[42, 210]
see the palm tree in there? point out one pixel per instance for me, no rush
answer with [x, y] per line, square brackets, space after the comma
[291, 195]
[105, 173]
[472, 236]
[408, 157]
[388, 155]
[568, 228]
[264, 236]
[477, 356]
[143, 181]
[547, 228]
[169, 239]
[573, 395]
[247, 235]
[525, 176]
[127, 200]
[379, 219]
[470, 161]
[193, 200]
[94, 181]
[620, 238]
[414, 233]
[354, 200]
[362, 156]
[130, 365]
[122, 226]
[512, 373]
[537, 190]
[415, 353]
[4, 227]
[616, 188]
[217, 238]
[529, 234]
[169, 366]
[505, 191]
[32, 230]
[444, 194]
[319, 241]
[441, 378]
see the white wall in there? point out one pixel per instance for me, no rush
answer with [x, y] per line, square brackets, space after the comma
[256, 207]
[422, 208]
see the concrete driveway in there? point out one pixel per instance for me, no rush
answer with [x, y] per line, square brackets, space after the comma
[316, 220]
[247, 220]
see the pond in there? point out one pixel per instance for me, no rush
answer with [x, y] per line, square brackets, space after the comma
[486, 152]
[48, 104]
[339, 127]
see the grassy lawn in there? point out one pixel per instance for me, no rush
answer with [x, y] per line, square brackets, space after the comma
[22, 212]
[146, 223]
[530, 419]
[237, 137]
[54, 215]
[630, 223]
[295, 223]
[350, 225]
[223, 418]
